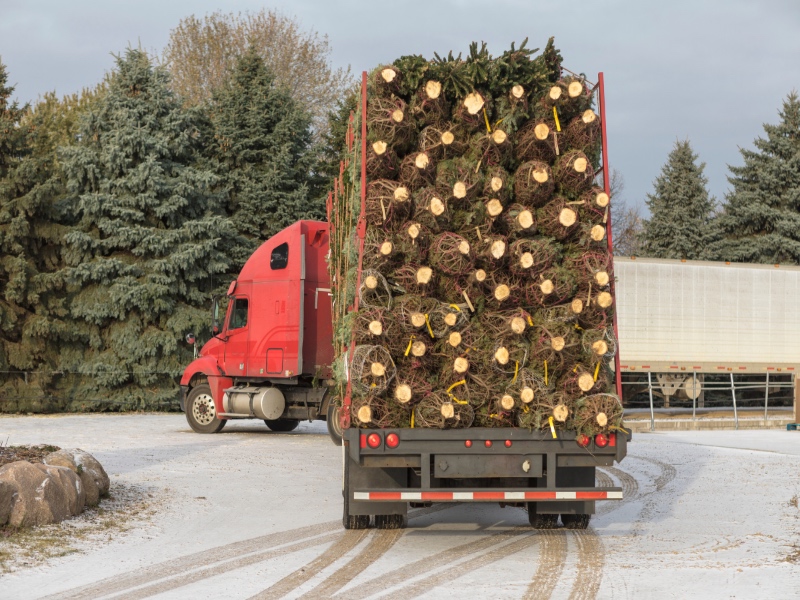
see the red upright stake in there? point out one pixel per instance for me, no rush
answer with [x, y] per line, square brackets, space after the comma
[607, 188]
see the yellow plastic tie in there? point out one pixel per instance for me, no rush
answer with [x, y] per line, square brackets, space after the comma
[530, 321]
[412, 419]
[545, 372]
[555, 116]
[597, 371]
[410, 343]
[486, 118]
[428, 323]
[516, 371]
[456, 384]
[616, 428]
[525, 408]
[575, 370]
[552, 427]
[457, 401]
[455, 307]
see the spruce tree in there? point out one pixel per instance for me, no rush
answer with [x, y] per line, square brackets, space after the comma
[680, 209]
[149, 241]
[760, 221]
[262, 155]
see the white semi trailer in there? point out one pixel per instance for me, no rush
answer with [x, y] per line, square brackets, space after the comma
[680, 321]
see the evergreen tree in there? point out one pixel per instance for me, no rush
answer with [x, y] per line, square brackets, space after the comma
[148, 242]
[680, 209]
[331, 149]
[262, 156]
[760, 221]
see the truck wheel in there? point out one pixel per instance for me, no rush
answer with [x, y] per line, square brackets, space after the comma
[332, 419]
[282, 425]
[391, 521]
[576, 521]
[539, 521]
[201, 413]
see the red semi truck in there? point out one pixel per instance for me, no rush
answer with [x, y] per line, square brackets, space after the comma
[271, 359]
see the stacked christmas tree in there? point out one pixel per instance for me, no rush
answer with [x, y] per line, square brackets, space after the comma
[479, 269]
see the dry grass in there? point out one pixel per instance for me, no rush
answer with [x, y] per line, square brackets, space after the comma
[127, 508]
[33, 454]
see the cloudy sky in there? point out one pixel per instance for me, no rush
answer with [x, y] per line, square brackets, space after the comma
[712, 71]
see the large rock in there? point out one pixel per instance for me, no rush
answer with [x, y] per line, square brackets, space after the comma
[8, 493]
[93, 476]
[44, 493]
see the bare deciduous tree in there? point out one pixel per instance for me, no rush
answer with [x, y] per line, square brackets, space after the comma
[201, 53]
[626, 221]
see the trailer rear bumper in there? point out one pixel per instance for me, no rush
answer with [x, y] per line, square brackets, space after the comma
[488, 495]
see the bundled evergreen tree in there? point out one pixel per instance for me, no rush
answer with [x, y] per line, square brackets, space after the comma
[680, 209]
[262, 154]
[760, 221]
[148, 243]
[330, 151]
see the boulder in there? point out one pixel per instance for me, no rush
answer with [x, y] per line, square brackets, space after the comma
[93, 476]
[44, 493]
[8, 493]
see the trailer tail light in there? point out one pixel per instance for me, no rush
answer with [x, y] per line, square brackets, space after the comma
[373, 440]
[601, 440]
[468, 443]
[508, 443]
[392, 440]
[612, 439]
[488, 443]
[583, 440]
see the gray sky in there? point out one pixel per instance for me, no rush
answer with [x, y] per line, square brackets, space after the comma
[712, 71]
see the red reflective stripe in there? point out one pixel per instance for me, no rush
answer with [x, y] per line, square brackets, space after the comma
[539, 495]
[590, 495]
[437, 495]
[363, 441]
[384, 495]
[489, 496]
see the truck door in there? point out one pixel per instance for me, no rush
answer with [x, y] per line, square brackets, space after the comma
[235, 362]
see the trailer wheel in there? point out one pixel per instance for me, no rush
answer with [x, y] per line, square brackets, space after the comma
[282, 425]
[539, 521]
[201, 413]
[576, 521]
[391, 521]
[332, 419]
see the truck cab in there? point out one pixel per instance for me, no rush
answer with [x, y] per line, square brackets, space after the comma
[270, 356]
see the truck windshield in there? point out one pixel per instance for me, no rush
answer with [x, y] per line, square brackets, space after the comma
[238, 314]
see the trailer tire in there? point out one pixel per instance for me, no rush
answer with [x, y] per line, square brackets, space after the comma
[201, 413]
[282, 425]
[332, 420]
[540, 521]
[391, 521]
[576, 521]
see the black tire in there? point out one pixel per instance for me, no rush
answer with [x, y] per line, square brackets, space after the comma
[350, 521]
[332, 419]
[201, 413]
[282, 425]
[539, 521]
[576, 521]
[391, 521]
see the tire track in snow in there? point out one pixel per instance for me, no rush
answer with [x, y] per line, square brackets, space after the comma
[591, 559]
[179, 566]
[552, 558]
[431, 563]
[346, 542]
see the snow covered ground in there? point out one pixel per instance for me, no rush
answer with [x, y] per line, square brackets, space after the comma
[248, 512]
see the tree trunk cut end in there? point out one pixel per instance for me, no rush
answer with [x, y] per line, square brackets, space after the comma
[597, 233]
[518, 325]
[377, 369]
[448, 138]
[448, 410]
[421, 161]
[547, 287]
[365, 414]
[496, 184]
[388, 75]
[473, 103]
[604, 299]
[518, 92]
[507, 402]
[371, 282]
[567, 217]
[526, 395]
[494, 207]
[403, 393]
[386, 248]
[460, 190]
[525, 219]
[540, 175]
[460, 365]
[418, 349]
[401, 193]
[501, 355]
[585, 382]
[454, 339]
[502, 292]
[437, 207]
[600, 347]
[424, 275]
[560, 413]
[376, 327]
[557, 343]
[602, 419]
[433, 89]
[379, 147]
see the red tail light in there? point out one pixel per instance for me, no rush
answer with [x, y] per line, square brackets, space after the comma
[392, 440]
[583, 440]
[508, 443]
[373, 440]
[612, 439]
[601, 440]
[488, 443]
[468, 443]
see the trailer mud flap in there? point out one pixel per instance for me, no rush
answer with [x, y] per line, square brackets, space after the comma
[389, 479]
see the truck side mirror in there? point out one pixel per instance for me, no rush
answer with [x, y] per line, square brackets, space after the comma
[215, 316]
[190, 339]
